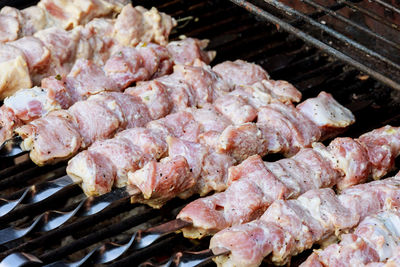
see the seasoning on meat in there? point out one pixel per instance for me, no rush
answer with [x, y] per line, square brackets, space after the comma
[87, 78]
[54, 50]
[343, 163]
[48, 13]
[182, 131]
[289, 227]
[375, 239]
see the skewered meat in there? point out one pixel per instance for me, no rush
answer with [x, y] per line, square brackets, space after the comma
[156, 97]
[9, 28]
[391, 262]
[85, 79]
[291, 226]
[327, 114]
[134, 147]
[99, 117]
[187, 125]
[190, 50]
[376, 239]
[210, 177]
[60, 128]
[36, 53]
[91, 133]
[53, 51]
[137, 24]
[207, 84]
[343, 163]
[47, 13]
[15, 70]
[166, 179]
[237, 74]
[290, 127]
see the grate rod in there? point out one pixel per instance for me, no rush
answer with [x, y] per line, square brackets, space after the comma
[371, 14]
[388, 6]
[332, 32]
[352, 23]
[309, 39]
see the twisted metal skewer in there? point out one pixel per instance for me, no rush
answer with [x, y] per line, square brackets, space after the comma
[143, 239]
[20, 259]
[36, 194]
[11, 148]
[51, 220]
[111, 251]
[189, 258]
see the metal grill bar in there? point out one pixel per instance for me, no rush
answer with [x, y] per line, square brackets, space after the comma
[237, 35]
[319, 44]
[350, 22]
[332, 32]
[386, 5]
[371, 15]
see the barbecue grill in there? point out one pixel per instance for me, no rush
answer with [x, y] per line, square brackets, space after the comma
[347, 48]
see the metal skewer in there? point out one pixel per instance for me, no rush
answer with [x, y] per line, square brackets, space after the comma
[112, 251]
[189, 258]
[143, 239]
[139, 240]
[36, 194]
[11, 148]
[51, 220]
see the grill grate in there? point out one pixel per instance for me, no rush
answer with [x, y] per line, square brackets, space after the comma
[234, 33]
[347, 30]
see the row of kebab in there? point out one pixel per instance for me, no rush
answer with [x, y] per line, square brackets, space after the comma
[187, 128]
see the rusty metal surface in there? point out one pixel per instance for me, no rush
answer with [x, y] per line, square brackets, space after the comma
[381, 66]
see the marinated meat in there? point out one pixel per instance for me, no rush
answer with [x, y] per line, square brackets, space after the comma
[52, 139]
[375, 239]
[15, 71]
[36, 53]
[291, 226]
[239, 72]
[189, 49]
[295, 128]
[100, 117]
[137, 24]
[343, 163]
[47, 13]
[180, 130]
[85, 79]
[54, 50]
[161, 180]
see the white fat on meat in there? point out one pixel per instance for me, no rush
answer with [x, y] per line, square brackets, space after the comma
[137, 24]
[326, 112]
[14, 71]
[9, 28]
[69, 14]
[283, 91]
[376, 239]
[34, 19]
[58, 127]
[37, 54]
[240, 72]
[381, 232]
[88, 170]
[188, 50]
[31, 103]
